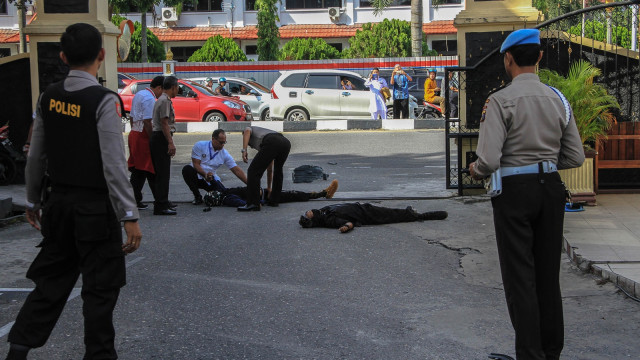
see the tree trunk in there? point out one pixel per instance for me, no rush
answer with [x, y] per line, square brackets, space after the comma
[416, 28]
[22, 22]
[143, 38]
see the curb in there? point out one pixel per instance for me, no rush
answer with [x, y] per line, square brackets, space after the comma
[311, 125]
[602, 270]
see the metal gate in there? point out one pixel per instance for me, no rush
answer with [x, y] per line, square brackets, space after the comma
[602, 35]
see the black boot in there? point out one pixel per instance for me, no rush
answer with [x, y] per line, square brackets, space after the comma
[434, 215]
[18, 352]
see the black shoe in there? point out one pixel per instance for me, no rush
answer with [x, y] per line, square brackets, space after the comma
[434, 215]
[165, 212]
[142, 206]
[15, 354]
[172, 206]
[249, 208]
[198, 201]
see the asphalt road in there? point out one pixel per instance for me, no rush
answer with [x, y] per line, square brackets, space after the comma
[229, 285]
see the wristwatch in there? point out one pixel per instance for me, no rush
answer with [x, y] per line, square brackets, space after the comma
[243, 150]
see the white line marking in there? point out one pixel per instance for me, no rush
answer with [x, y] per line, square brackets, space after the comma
[16, 289]
[74, 294]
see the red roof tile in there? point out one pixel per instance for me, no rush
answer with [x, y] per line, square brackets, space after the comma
[9, 36]
[286, 31]
[439, 27]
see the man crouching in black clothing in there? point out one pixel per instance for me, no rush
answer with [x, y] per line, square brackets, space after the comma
[346, 216]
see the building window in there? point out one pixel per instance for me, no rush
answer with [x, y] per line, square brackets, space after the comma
[367, 3]
[313, 4]
[338, 46]
[3, 6]
[202, 5]
[445, 47]
[251, 50]
[182, 53]
[5, 52]
[250, 5]
[451, 2]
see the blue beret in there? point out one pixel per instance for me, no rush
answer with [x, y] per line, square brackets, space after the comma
[521, 37]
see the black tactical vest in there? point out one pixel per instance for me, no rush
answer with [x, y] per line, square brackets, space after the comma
[71, 137]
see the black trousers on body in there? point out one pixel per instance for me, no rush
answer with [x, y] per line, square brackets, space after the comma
[528, 218]
[275, 147]
[401, 109]
[81, 236]
[137, 179]
[190, 176]
[162, 165]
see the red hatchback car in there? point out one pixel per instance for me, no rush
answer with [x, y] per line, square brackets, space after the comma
[195, 102]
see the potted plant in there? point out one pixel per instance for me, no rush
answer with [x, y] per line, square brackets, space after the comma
[592, 109]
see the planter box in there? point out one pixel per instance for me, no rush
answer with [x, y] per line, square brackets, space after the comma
[580, 181]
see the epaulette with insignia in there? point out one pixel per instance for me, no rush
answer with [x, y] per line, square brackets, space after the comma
[498, 89]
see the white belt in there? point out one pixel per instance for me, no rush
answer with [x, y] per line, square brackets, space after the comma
[547, 167]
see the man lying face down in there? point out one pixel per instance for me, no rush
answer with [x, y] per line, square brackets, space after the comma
[346, 216]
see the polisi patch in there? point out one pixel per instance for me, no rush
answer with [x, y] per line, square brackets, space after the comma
[64, 108]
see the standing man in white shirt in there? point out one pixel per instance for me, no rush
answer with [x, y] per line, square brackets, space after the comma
[206, 158]
[139, 163]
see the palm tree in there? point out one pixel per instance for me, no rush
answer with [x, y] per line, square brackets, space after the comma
[591, 104]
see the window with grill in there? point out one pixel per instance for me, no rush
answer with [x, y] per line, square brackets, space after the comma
[313, 4]
[367, 3]
[3, 6]
[182, 53]
[445, 47]
[251, 50]
[250, 5]
[202, 5]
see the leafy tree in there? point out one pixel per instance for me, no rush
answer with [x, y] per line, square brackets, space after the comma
[597, 30]
[554, 8]
[268, 33]
[218, 49]
[155, 49]
[389, 38]
[416, 21]
[143, 6]
[308, 49]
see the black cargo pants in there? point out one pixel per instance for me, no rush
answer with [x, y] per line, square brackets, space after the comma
[81, 236]
[274, 147]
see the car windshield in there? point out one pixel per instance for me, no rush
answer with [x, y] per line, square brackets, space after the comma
[256, 84]
[203, 89]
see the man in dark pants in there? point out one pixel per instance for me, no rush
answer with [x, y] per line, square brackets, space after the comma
[273, 150]
[346, 216]
[400, 82]
[162, 148]
[527, 133]
[139, 163]
[206, 158]
[77, 139]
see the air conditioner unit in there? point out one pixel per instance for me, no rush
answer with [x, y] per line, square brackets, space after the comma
[334, 13]
[169, 14]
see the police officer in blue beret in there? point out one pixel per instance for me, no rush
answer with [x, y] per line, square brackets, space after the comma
[527, 133]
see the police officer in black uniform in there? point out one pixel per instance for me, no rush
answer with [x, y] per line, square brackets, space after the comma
[77, 140]
[528, 133]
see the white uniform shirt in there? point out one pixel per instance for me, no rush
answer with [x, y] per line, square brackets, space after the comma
[142, 108]
[211, 160]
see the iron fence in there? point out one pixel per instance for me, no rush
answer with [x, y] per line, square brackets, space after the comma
[605, 35]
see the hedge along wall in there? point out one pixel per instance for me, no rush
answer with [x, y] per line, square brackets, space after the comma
[266, 72]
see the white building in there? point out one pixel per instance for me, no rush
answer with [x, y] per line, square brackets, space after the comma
[334, 20]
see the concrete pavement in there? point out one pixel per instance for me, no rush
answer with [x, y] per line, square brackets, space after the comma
[603, 239]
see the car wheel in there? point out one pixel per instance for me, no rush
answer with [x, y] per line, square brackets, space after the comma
[266, 115]
[214, 116]
[297, 115]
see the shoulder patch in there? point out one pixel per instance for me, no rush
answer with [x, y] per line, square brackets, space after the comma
[118, 108]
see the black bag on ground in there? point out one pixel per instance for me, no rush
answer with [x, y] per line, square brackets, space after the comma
[308, 173]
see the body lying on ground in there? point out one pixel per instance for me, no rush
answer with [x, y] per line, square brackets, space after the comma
[346, 216]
